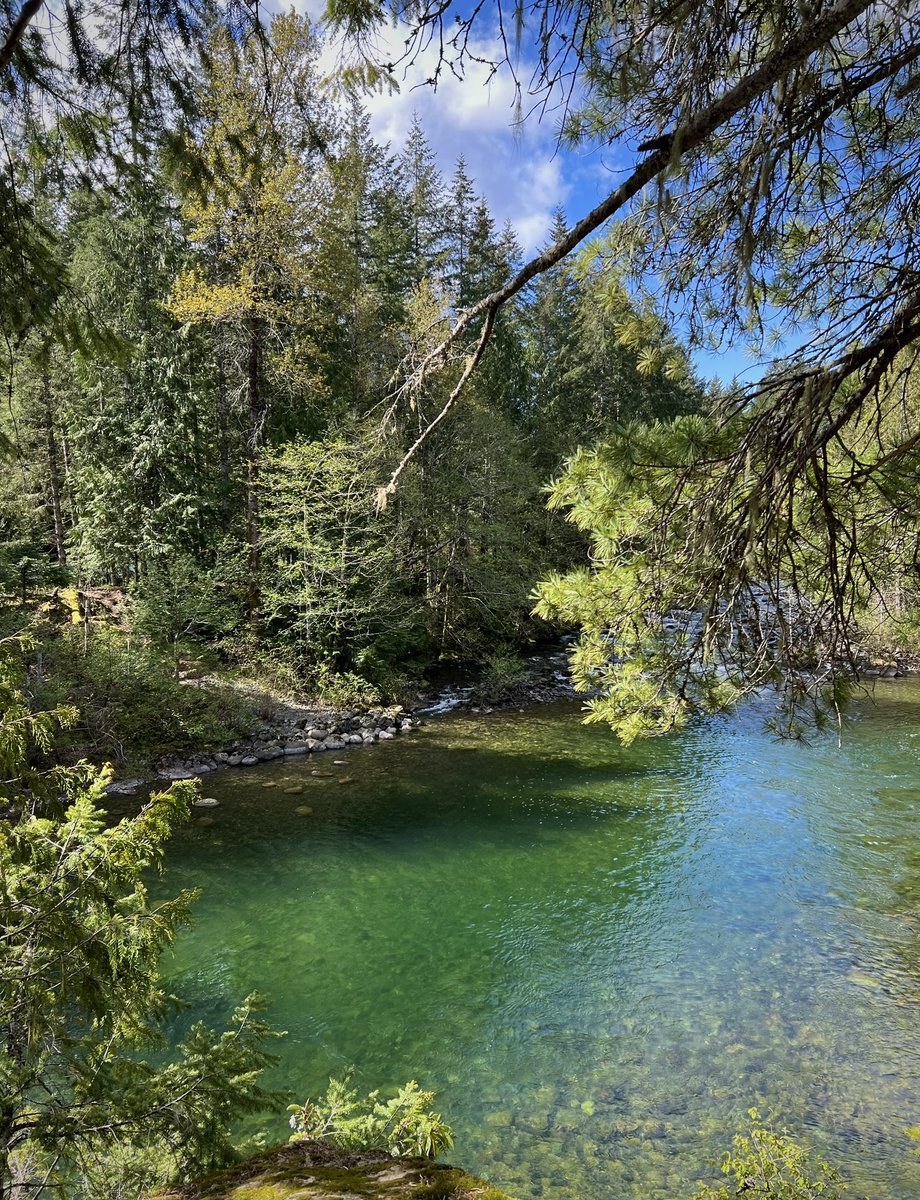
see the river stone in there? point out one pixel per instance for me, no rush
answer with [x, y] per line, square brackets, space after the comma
[316, 733]
[234, 760]
[294, 791]
[368, 739]
[303, 810]
[269, 783]
[334, 744]
[248, 760]
[269, 753]
[206, 822]
[294, 748]
[385, 735]
[355, 739]
[314, 746]
[124, 787]
[339, 762]
[177, 773]
[205, 802]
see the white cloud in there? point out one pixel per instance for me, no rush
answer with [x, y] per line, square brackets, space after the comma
[514, 165]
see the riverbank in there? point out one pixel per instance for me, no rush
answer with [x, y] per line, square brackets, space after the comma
[287, 728]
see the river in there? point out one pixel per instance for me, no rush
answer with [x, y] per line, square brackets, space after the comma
[599, 958]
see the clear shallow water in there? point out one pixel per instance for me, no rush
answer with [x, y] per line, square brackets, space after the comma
[599, 958]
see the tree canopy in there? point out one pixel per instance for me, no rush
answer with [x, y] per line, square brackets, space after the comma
[295, 288]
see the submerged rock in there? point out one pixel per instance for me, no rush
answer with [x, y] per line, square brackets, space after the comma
[124, 787]
[314, 1171]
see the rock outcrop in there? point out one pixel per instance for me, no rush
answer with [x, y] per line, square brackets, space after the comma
[314, 1171]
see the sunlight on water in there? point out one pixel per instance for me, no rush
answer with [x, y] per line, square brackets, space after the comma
[599, 958]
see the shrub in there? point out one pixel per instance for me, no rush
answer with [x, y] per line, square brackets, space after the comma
[405, 1124]
[131, 705]
[771, 1166]
[503, 678]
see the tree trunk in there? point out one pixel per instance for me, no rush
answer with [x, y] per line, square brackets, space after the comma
[223, 442]
[54, 477]
[256, 428]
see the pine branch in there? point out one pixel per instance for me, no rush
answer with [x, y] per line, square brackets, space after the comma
[693, 133]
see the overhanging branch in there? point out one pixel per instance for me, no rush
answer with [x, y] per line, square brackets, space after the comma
[693, 133]
[17, 29]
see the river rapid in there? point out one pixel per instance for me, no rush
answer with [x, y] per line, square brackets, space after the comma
[599, 958]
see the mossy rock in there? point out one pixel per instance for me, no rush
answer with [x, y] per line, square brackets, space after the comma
[314, 1171]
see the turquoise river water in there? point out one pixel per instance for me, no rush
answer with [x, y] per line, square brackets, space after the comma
[599, 958]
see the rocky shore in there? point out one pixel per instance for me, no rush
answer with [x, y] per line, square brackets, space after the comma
[291, 730]
[288, 729]
[314, 1171]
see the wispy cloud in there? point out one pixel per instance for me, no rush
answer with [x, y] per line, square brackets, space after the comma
[515, 164]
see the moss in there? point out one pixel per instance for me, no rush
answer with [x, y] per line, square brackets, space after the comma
[454, 1184]
[314, 1171]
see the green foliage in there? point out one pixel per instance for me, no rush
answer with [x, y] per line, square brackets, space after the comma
[80, 995]
[503, 675]
[131, 704]
[179, 603]
[335, 589]
[344, 689]
[772, 1166]
[213, 444]
[702, 591]
[404, 1124]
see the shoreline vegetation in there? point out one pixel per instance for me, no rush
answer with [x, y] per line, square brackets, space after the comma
[182, 713]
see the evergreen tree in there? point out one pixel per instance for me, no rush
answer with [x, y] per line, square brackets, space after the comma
[427, 215]
[139, 420]
[359, 266]
[251, 224]
[80, 995]
[461, 213]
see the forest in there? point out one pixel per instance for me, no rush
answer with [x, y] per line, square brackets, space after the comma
[208, 434]
[288, 413]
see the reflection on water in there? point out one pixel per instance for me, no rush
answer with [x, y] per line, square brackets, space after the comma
[600, 958]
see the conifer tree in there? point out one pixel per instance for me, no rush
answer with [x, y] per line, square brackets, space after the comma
[428, 217]
[263, 123]
[81, 1000]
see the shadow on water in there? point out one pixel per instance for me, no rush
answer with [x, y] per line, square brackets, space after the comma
[599, 958]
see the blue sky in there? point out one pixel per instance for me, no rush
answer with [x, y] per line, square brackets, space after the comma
[521, 171]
